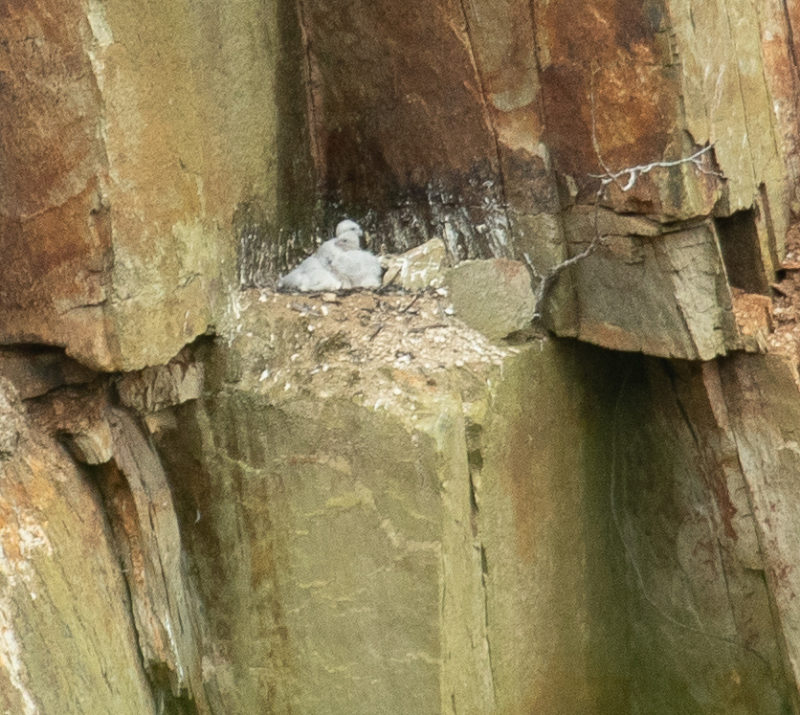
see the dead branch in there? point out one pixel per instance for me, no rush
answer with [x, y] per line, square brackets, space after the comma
[633, 173]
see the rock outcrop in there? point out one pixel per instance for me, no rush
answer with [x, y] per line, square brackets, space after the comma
[435, 497]
[128, 138]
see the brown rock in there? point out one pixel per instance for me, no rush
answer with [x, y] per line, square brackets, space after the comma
[155, 388]
[126, 150]
[64, 602]
[36, 372]
[91, 446]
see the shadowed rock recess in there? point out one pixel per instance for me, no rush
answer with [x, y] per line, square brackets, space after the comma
[551, 468]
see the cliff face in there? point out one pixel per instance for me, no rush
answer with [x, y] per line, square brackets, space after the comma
[218, 499]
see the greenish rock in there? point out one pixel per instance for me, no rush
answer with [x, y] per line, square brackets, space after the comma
[466, 533]
[727, 98]
[493, 296]
[365, 529]
[665, 295]
[417, 269]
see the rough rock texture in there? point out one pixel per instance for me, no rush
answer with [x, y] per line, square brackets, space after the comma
[425, 511]
[493, 296]
[480, 123]
[127, 139]
[353, 503]
[37, 371]
[380, 509]
[135, 542]
[768, 455]
[657, 293]
[418, 268]
[547, 96]
[704, 624]
[67, 643]
[156, 388]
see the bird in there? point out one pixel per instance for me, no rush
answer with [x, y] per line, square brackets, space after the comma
[357, 269]
[338, 263]
[310, 275]
[347, 238]
[348, 226]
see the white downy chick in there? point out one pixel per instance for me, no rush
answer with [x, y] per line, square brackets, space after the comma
[311, 275]
[354, 267]
[337, 263]
[348, 226]
[348, 238]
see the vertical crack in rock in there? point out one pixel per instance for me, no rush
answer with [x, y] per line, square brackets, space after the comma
[795, 69]
[312, 82]
[774, 133]
[723, 512]
[536, 60]
[473, 434]
[143, 520]
[485, 589]
[490, 125]
[744, 104]
[780, 626]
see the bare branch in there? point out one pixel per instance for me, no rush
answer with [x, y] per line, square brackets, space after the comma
[634, 172]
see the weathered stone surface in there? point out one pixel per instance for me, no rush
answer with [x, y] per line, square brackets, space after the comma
[36, 372]
[548, 96]
[443, 138]
[128, 481]
[11, 423]
[128, 139]
[158, 387]
[493, 296]
[443, 492]
[93, 445]
[533, 100]
[378, 504]
[727, 100]
[346, 477]
[700, 612]
[767, 448]
[352, 514]
[664, 295]
[755, 320]
[779, 23]
[67, 643]
[79, 418]
[551, 568]
[419, 268]
[143, 520]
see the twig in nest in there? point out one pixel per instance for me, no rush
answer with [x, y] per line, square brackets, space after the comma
[377, 330]
[415, 299]
[423, 328]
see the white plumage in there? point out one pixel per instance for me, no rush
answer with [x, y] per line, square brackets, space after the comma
[310, 275]
[357, 269]
[338, 263]
[348, 226]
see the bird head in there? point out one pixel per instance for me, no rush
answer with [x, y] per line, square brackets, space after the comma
[347, 226]
[348, 240]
